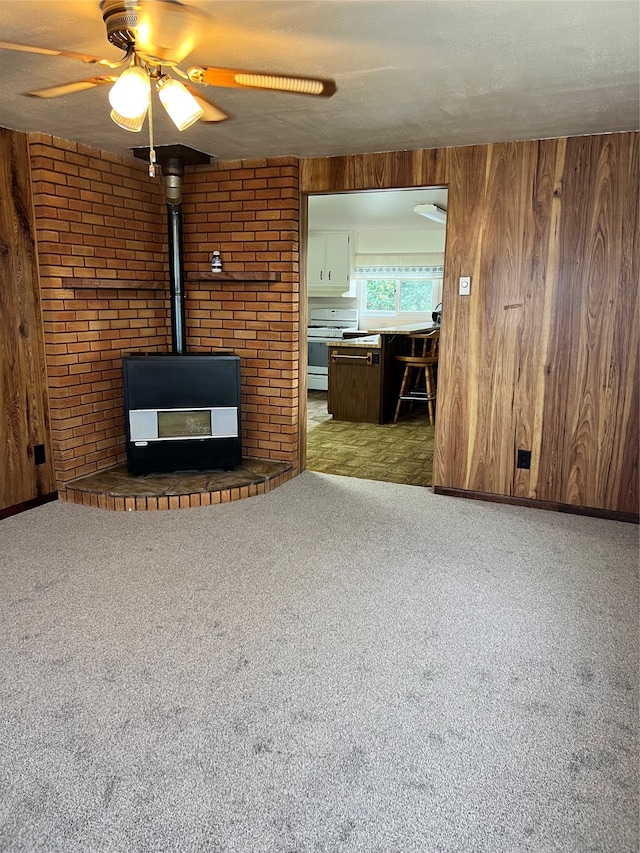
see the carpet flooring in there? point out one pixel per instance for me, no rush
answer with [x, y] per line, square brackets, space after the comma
[339, 666]
[393, 453]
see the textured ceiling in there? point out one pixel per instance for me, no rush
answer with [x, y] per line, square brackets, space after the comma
[410, 75]
[375, 210]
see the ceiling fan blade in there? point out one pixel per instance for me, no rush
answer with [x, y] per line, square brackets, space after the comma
[211, 112]
[70, 88]
[45, 51]
[235, 78]
[167, 31]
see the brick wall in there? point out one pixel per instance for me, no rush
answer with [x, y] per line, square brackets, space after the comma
[100, 220]
[249, 210]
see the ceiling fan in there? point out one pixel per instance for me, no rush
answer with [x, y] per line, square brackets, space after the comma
[157, 35]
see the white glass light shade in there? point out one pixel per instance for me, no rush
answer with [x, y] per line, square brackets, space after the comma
[133, 124]
[129, 95]
[182, 107]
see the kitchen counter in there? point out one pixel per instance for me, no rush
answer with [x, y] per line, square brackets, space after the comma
[364, 374]
[407, 329]
[367, 341]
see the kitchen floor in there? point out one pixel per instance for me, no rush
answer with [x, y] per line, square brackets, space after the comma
[393, 453]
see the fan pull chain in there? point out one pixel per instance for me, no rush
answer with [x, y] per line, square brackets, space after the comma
[152, 152]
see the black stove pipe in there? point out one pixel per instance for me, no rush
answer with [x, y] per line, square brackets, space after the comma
[172, 159]
[173, 170]
[176, 279]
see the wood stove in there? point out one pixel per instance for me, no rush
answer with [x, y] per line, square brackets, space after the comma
[182, 412]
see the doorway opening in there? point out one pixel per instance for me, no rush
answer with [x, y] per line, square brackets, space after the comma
[394, 276]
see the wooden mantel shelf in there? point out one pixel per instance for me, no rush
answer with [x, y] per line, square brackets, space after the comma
[141, 284]
[113, 284]
[251, 275]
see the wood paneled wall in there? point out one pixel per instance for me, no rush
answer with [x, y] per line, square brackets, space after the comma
[24, 418]
[543, 355]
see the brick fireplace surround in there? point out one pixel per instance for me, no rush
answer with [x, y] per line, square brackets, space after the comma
[102, 253]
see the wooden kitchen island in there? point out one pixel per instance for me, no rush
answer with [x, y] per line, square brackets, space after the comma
[364, 377]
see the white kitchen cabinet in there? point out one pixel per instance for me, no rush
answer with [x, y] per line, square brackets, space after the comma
[328, 263]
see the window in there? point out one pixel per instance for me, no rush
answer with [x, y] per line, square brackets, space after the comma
[379, 294]
[390, 285]
[400, 295]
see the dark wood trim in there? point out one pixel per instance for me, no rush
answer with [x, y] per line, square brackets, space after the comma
[612, 515]
[30, 504]
[264, 275]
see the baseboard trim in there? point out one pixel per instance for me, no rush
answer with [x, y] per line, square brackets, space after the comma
[595, 512]
[25, 505]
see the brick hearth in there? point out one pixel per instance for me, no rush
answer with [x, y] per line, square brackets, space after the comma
[118, 490]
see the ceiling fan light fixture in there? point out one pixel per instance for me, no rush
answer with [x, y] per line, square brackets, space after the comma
[129, 95]
[431, 211]
[182, 107]
[133, 124]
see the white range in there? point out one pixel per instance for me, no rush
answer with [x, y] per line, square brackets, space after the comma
[325, 325]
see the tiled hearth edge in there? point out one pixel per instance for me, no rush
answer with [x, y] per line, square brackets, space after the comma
[145, 503]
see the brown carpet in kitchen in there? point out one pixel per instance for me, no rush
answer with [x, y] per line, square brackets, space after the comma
[393, 453]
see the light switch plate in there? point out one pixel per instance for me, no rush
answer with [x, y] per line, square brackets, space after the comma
[464, 285]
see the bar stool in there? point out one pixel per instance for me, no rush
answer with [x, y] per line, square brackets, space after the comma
[418, 380]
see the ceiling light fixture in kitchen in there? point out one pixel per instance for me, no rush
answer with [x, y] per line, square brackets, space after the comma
[431, 211]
